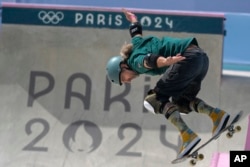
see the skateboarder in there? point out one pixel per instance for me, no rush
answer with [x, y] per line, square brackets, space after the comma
[183, 65]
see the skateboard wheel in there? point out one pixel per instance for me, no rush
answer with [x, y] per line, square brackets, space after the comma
[193, 162]
[229, 135]
[200, 157]
[237, 128]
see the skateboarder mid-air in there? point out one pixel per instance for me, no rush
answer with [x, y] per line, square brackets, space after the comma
[182, 64]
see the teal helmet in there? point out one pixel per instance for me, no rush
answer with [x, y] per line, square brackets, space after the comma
[114, 70]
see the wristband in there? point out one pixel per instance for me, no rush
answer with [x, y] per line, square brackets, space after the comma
[135, 29]
[132, 17]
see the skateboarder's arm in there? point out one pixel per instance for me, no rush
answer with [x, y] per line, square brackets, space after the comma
[157, 61]
[135, 28]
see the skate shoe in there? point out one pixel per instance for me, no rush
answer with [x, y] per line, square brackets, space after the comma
[189, 141]
[220, 119]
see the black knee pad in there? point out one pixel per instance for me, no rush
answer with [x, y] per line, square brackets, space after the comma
[153, 104]
[168, 109]
[182, 105]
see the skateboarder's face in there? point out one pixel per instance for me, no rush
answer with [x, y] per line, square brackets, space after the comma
[127, 75]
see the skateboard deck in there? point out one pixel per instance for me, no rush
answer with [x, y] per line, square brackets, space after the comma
[195, 156]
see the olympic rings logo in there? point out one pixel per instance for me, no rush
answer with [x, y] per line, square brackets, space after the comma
[50, 17]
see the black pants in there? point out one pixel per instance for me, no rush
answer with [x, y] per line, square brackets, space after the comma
[183, 79]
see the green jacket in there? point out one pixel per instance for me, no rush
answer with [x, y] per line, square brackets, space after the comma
[167, 46]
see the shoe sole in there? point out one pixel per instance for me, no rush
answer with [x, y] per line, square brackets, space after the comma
[190, 147]
[222, 124]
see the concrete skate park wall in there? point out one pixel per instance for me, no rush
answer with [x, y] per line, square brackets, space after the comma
[59, 109]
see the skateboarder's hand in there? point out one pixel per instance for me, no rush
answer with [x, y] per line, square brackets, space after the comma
[130, 16]
[167, 61]
[174, 59]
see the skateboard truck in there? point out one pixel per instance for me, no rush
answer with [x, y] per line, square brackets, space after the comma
[232, 130]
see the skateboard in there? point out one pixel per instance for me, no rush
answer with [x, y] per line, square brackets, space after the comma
[195, 156]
